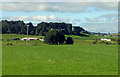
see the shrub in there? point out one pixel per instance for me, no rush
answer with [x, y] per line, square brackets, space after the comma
[15, 39]
[108, 42]
[69, 40]
[118, 41]
[94, 42]
[102, 42]
[9, 44]
[113, 43]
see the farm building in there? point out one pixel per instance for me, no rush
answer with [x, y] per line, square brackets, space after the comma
[32, 38]
[105, 39]
[29, 38]
[41, 39]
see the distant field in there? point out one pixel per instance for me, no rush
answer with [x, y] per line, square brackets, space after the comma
[5, 37]
[82, 58]
[77, 39]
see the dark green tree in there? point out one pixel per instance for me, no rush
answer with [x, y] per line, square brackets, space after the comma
[60, 37]
[69, 28]
[78, 29]
[41, 28]
[69, 40]
[54, 37]
[23, 28]
[13, 27]
[4, 26]
[31, 29]
[19, 27]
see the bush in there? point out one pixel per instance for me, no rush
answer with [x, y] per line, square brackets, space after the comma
[69, 40]
[15, 39]
[102, 42]
[113, 43]
[54, 37]
[9, 44]
[94, 42]
[118, 41]
[108, 42]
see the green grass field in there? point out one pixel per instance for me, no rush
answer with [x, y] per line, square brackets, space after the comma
[82, 58]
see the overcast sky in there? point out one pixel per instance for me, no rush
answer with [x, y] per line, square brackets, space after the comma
[93, 16]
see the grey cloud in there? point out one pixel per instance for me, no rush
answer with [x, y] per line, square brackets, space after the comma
[101, 27]
[90, 0]
[60, 0]
[95, 20]
[110, 17]
[107, 18]
[77, 20]
[27, 0]
[38, 18]
[56, 7]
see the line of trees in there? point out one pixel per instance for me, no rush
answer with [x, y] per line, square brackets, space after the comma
[19, 27]
[44, 27]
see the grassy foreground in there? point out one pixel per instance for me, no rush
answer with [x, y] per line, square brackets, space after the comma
[60, 60]
[82, 58]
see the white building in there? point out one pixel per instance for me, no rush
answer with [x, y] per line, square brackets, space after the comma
[29, 38]
[41, 39]
[105, 39]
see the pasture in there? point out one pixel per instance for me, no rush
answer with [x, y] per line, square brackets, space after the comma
[82, 58]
